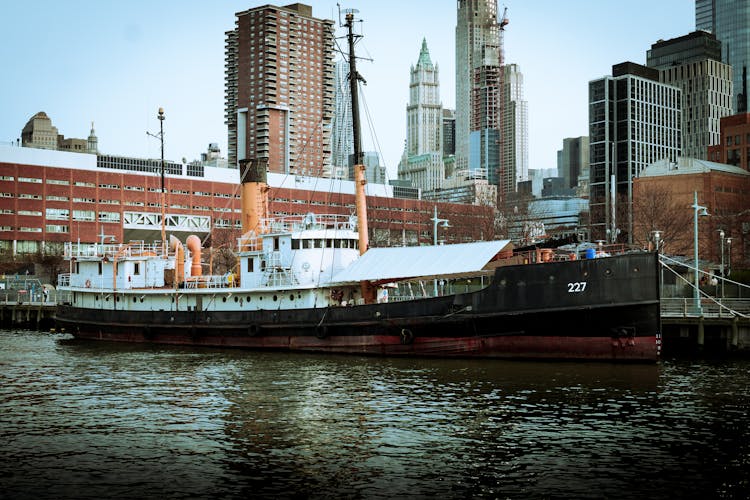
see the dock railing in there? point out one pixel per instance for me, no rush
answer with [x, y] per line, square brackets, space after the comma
[684, 307]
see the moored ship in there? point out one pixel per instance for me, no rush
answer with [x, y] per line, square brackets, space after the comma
[313, 284]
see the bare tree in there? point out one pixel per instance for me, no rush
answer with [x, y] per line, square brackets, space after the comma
[656, 208]
[221, 256]
[512, 218]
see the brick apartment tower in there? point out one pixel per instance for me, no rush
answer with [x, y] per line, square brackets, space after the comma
[279, 81]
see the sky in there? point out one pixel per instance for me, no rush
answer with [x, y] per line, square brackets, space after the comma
[115, 63]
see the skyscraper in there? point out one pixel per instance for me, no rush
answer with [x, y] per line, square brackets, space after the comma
[424, 111]
[342, 140]
[514, 167]
[422, 162]
[573, 160]
[634, 120]
[729, 20]
[279, 81]
[449, 132]
[478, 84]
[693, 63]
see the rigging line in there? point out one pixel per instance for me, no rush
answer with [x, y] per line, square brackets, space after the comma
[662, 256]
[372, 131]
[705, 295]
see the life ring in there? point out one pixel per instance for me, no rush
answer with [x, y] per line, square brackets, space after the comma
[88, 283]
[321, 331]
[252, 330]
[407, 337]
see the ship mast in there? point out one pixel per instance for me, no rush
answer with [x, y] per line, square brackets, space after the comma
[359, 168]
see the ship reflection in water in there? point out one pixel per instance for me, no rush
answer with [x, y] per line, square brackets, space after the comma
[96, 420]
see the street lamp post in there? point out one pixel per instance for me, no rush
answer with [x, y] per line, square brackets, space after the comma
[435, 221]
[163, 195]
[160, 116]
[721, 266]
[729, 256]
[696, 289]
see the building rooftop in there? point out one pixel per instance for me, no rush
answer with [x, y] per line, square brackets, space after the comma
[685, 166]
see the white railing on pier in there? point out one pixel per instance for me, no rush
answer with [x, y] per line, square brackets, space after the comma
[702, 303]
[684, 307]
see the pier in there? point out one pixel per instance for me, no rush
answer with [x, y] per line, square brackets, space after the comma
[719, 326]
[34, 315]
[20, 308]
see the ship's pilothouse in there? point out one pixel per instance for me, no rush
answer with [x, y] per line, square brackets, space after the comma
[299, 252]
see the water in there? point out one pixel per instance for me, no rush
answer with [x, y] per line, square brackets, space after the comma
[93, 420]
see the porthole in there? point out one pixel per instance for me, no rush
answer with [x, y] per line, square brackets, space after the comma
[135, 299]
[275, 298]
[223, 299]
[291, 296]
[608, 272]
[635, 270]
[236, 299]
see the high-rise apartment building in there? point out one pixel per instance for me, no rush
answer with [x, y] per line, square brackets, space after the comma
[478, 84]
[514, 167]
[573, 160]
[693, 63]
[422, 162]
[634, 120]
[280, 88]
[342, 140]
[729, 20]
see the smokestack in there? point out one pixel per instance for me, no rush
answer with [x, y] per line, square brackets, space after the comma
[254, 180]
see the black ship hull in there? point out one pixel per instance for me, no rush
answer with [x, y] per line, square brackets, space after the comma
[605, 309]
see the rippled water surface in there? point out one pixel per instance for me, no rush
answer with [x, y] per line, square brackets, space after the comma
[95, 420]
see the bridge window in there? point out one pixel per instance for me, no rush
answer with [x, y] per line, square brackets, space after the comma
[295, 245]
[136, 268]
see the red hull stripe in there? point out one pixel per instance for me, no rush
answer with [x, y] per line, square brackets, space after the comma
[527, 347]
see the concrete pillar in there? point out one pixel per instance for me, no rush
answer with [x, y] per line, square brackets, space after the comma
[701, 333]
[735, 340]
